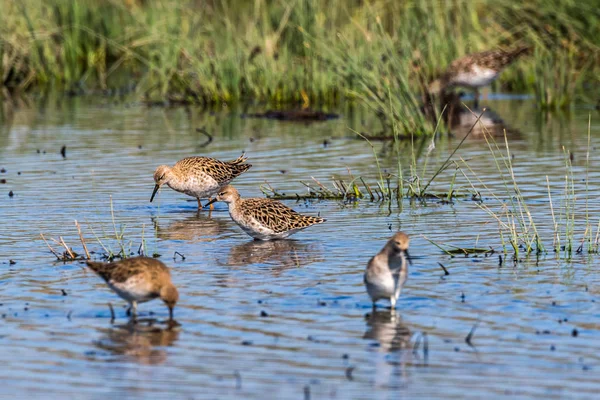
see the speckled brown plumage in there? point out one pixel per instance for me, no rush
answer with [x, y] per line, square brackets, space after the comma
[138, 279]
[477, 70]
[492, 59]
[221, 171]
[122, 270]
[199, 177]
[264, 219]
[277, 216]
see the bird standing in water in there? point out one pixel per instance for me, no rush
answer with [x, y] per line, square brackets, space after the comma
[199, 177]
[137, 280]
[264, 219]
[387, 271]
[476, 70]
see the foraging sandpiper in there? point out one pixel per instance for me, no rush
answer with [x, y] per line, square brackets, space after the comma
[137, 280]
[199, 177]
[264, 219]
[476, 70]
[387, 271]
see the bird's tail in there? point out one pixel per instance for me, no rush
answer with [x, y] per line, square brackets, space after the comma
[239, 165]
[239, 160]
[519, 51]
[313, 220]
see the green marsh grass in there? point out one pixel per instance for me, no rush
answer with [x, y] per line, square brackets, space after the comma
[110, 242]
[518, 225]
[388, 186]
[304, 52]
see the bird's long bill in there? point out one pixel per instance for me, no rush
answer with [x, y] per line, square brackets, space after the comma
[156, 187]
[408, 257]
[170, 313]
[210, 202]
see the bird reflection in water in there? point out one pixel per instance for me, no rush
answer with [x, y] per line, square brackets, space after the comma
[200, 227]
[386, 327]
[283, 254]
[392, 336]
[140, 341]
[461, 120]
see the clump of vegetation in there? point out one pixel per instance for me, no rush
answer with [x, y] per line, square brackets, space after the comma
[304, 52]
[112, 245]
[519, 225]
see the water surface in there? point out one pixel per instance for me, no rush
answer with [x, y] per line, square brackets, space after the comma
[287, 319]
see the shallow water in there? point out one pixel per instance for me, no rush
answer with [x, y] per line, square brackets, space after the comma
[316, 337]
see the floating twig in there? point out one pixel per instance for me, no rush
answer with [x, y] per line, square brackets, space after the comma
[444, 268]
[321, 185]
[69, 251]
[368, 188]
[425, 347]
[87, 253]
[349, 371]
[58, 256]
[471, 333]
[205, 133]
[417, 343]
[238, 379]
[112, 313]
[178, 254]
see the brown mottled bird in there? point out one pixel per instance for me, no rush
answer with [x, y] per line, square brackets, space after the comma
[387, 271]
[476, 70]
[199, 177]
[137, 280]
[264, 219]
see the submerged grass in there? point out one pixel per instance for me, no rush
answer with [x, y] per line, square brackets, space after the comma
[111, 245]
[303, 52]
[522, 227]
[518, 225]
[389, 186]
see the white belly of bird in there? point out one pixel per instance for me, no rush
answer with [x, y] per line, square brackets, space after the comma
[476, 77]
[201, 186]
[133, 289]
[260, 232]
[381, 287]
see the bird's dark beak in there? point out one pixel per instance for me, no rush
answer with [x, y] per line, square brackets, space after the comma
[408, 257]
[210, 202]
[170, 313]
[156, 187]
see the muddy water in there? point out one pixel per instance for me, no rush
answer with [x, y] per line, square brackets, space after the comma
[287, 319]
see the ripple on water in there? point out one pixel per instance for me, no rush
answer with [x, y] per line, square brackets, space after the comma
[289, 316]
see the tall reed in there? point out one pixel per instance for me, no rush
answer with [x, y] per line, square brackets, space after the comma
[304, 52]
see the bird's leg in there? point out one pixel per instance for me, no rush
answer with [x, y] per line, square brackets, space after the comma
[476, 105]
[212, 205]
[132, 311]
[199, 203]
[393, 302]
[397, 294]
